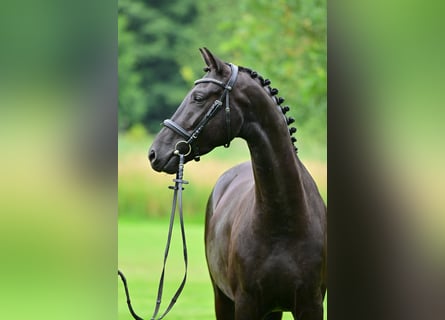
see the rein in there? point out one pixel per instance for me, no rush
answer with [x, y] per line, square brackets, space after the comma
[177, 199]
[190, 138]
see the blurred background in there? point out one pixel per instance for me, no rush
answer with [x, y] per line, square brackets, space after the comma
[62, 123]
[284, 41]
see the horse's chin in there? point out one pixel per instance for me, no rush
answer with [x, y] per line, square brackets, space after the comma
[169, 167]
[168, 163]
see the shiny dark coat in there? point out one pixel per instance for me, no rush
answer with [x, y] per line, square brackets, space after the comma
[265, 231]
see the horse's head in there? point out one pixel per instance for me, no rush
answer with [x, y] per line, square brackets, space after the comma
[209, 116]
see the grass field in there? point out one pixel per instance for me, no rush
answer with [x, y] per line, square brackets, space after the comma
[141, 252]
[144, 206]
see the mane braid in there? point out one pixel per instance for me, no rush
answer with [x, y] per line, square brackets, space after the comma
[279, 100]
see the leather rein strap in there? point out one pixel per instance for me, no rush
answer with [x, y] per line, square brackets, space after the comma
[190, 138]
[177, 198]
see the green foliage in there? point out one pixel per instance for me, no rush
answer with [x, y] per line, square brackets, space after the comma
[283, 40]
[149, 34]
[131, 96]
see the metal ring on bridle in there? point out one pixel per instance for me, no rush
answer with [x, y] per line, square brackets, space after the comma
[177, 151]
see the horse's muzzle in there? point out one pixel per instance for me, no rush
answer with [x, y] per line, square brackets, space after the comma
[169, 165]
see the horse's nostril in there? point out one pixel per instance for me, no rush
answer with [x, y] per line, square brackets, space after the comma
[152, 155]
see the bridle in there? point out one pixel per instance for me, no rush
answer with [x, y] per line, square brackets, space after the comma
[190, 138]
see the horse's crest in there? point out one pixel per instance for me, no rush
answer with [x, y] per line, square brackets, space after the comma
[279, 100]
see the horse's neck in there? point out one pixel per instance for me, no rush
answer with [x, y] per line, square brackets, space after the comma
[278, 173]
[278, 177]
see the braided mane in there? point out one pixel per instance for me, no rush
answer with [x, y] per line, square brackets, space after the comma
[279, 100]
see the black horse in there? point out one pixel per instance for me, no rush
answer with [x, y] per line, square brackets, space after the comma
[265, 231]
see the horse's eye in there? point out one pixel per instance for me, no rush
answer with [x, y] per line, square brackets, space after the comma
[198, 98]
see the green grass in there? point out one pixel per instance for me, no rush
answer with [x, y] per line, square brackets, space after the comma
[141, 253]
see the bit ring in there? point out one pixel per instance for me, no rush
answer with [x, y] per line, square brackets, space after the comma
[178, 145]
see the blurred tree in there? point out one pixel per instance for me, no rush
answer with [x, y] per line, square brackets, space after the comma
[149, 33]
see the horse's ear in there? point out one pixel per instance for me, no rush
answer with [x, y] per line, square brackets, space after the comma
[212, 61]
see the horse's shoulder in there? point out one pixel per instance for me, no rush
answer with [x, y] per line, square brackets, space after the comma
[238, 173]
[237, 178]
